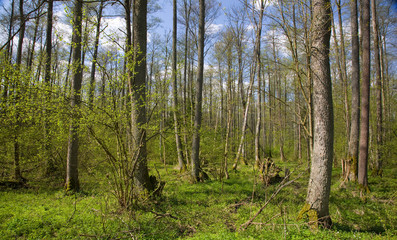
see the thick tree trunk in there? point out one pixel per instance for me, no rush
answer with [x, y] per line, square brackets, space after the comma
[138, 91]
[365, 95]
[72, 176]
[322, 155]
[199, 95]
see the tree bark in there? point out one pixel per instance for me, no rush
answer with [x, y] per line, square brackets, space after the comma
[199, 95]
[72, 176]
[47, 79]
[355, 106]
[138, 92]
[179, 149]
[365, 95]
[322, 156]
[379, 110]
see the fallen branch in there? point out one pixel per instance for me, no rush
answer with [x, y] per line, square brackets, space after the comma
[282, 185]
[160, 215]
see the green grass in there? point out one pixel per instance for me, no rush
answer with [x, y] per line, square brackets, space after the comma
[210, 210]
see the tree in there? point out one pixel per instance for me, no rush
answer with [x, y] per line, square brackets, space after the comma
[199, 96]
[320, 175]
[47, 79]
[72, 176]
[17, 168]
[351, 173]
[181, 164]
[378, 83]
[365, 94]
[138, 93]
[95, 56]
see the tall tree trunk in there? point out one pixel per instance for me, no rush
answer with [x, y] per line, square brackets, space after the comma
[72, 176]
[9, 50]
[138, 92]
[95, 56]
[199, 95]
[179, 149]
[320, 175]
[47, 79]
[379, 117]
[343, 69]
[351, 173]
[258, 63]
[17, 168]
[365, 95]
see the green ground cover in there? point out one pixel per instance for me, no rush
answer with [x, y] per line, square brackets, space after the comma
[210, 210]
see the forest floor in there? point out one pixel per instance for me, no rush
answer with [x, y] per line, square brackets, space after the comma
[211, 210]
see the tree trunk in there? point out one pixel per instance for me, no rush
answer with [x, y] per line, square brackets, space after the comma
[94, 57]
[322, 155]
[138, 92]
[47, 79]
[365, 95]
[199, 95]
[379, 117]
[259, 106]
[355, 106]
[72, 177]
[179, 149]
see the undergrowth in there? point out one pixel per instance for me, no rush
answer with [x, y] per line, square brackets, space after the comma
[211, 210]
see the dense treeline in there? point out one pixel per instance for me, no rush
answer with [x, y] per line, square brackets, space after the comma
[204, 99]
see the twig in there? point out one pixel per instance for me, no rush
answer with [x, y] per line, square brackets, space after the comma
[280, 187]
[158, 215]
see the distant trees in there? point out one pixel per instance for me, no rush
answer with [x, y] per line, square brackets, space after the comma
[207, 96]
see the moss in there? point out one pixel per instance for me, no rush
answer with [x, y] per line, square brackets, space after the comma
[310, 214]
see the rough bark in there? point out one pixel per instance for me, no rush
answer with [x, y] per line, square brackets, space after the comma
[322, 155]
[138, 91]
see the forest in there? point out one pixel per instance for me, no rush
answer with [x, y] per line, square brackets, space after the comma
[198, 119]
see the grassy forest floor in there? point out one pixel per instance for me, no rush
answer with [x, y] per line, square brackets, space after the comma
[210, 210]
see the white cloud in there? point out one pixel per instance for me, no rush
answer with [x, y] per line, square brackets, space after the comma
[214, 28]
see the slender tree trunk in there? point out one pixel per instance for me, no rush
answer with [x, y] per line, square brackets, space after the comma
[179, 148]
[351, 173]
[322, 155]
[259, 75]
[199, 95]
[18, 85]
[72, 176]
[379, 110]
[365, 95]
[94, 57]
[47, 79]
